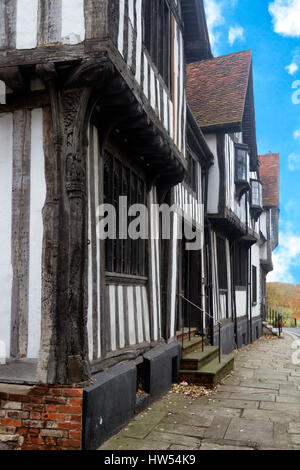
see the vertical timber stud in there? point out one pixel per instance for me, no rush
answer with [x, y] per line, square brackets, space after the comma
[20, 232]
[72, 343]
[64, 347]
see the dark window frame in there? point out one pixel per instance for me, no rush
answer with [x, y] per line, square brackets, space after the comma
[222, 264]
[254, 285]
[191, 177]
[157, 36]
[240, 265]
[242, 184]
[128, 257]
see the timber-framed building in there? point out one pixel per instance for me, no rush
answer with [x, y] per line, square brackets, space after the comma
[95, 109]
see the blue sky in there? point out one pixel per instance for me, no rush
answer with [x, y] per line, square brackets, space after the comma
[271, 28]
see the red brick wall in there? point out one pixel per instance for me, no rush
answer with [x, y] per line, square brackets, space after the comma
[48, 418]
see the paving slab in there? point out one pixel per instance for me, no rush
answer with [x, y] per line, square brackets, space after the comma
[182, 430]
[218, 428]
[179, 448]
[134, 444]
[260, 432]
[288, 407]
[281, 436]
[189, 419]
[261, 385]
[295, 438]
[143, 425]
[268, 415]
[246, 389]
[294, 428]
[223, 412]
[174, 439]
[212, 446]
[228, 403]
[250, 396]
[288, 399]
[288, 387]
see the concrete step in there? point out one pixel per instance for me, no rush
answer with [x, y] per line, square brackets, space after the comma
[196, 359]
[211, 373]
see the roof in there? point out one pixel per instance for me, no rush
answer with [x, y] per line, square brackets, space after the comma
[220, 94]
[269, 175]
[196, 37]
[217, 89]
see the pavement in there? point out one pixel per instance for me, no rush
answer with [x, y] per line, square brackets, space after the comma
[257, 407]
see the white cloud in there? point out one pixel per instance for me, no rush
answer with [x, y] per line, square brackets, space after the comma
[294, 162]
[287, 256]
[292, 68]
[214, 18]
[286, 17]
[235, 33]
[294, 65]
[297, 134]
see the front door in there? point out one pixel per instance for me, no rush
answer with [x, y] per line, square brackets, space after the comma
[191, 277]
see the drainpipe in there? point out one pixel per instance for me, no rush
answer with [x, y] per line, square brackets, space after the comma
[248, 278]
[250, 289]
[233, 292]
[211, 303]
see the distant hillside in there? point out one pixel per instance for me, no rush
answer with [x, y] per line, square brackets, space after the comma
[284, 297]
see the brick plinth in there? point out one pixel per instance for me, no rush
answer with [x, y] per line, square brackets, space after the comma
[47, 418]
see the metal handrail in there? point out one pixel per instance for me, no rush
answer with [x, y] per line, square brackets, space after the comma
[274, 317]
[201, 309]
[209, 316]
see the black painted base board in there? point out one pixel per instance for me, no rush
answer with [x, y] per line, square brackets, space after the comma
[111, 402]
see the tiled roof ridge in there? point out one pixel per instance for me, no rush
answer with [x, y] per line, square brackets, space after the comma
[231, 73]
[221, 57]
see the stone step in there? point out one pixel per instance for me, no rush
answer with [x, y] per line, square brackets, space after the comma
[185, 334]
[211, 373]
[193, 345]
[196, 359]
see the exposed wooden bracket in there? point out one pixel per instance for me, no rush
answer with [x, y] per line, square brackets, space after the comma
[91, 73]
[46, 72]
[13, 78]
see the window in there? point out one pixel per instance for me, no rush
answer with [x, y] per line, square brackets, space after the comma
[256, 199]
[191, 178]
[157, 36]
[240, 265]
[242, 168]
[256, 193]
[254, 285]
[222, 263]
[124, 256]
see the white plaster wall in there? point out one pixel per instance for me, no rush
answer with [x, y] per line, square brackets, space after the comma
[26, 29]
[37, 200]
[213, 177]
[241, 303]
[263, 224]
[255, 254]
[73, 23]
[6, 275]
